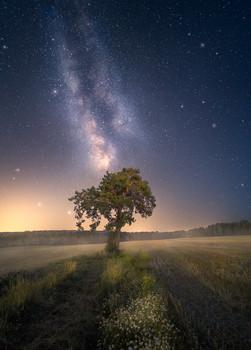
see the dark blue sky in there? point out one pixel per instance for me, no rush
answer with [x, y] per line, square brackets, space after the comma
[90, 86]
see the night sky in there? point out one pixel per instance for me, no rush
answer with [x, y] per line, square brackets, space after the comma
[89, 86]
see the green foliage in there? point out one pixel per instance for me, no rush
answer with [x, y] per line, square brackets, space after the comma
[134, 316]
[121, 275]
[148, 284]
[123, 279]
[118, 197]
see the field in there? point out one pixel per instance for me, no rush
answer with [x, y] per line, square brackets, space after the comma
[16, 258]
[191, 293]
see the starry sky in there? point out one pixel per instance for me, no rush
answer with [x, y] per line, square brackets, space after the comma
[90, 86]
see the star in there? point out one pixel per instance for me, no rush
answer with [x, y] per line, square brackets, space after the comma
[214, 125]
[202, 45]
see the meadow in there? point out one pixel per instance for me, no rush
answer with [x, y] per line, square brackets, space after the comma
[187, 293]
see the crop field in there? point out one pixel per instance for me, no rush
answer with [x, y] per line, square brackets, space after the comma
[191, 293]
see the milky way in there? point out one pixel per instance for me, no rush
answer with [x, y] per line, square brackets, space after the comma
[99, 115]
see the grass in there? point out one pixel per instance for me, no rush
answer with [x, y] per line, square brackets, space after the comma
[134, 315]
[63, 315]
[175, 294]
[226, 276]
[23, 291]
[208, 290]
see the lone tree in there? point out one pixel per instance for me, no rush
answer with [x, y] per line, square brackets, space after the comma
[118, 197]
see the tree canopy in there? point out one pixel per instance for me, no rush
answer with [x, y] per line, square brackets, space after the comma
[118, 198]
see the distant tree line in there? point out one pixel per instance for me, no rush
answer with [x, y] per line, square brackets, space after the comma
[11, 239]
[219, 229]
[222, 229]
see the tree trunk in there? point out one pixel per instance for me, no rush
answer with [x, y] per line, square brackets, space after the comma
[114, 236]
[117, 239]
[113, 241]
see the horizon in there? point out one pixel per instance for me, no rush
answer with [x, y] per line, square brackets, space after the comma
[123, 231]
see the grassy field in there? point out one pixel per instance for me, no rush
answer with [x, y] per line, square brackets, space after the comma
[30, 257]
[191, 293]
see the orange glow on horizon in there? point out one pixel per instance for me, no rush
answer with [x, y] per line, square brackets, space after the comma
[51, 214]
[44, 209]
